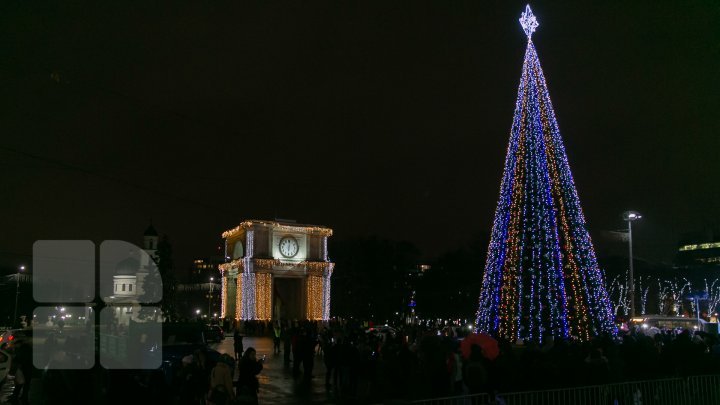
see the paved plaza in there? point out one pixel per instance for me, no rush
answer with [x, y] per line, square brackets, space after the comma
[277, 385]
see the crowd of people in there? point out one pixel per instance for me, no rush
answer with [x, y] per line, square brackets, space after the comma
[201, 381]
[368, 365]
[414, 362]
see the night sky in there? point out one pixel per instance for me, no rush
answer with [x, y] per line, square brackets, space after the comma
[385, 118]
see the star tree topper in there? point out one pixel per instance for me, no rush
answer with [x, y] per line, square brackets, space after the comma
[528, 22]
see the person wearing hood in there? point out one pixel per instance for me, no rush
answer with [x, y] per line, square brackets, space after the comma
[221, 382]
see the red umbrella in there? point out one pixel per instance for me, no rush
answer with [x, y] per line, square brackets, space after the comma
[486, 342]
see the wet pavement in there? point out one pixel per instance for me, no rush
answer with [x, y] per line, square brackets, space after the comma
[277, 385]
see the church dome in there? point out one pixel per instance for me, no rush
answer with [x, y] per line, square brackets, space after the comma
[150, 231]
[127, 267]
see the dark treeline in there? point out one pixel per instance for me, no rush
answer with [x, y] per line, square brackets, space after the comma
[375, 278]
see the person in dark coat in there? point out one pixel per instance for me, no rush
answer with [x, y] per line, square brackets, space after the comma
[286, 335]
[248, 385]
[238, 344]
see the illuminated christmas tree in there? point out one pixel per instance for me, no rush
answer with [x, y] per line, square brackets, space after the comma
[541, 276]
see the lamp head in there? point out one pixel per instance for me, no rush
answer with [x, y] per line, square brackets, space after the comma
[631, 216]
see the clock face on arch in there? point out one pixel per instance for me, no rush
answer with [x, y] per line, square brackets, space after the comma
[288, 246]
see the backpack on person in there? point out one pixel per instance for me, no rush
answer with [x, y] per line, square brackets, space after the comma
[218, 394]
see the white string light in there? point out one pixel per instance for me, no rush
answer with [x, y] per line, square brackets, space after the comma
[529, 22]
[326, 298]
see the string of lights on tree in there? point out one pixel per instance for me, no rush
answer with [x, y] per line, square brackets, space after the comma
[713, 295]
[541, 275]
[619, 296]
[678, 288]
[671, 296]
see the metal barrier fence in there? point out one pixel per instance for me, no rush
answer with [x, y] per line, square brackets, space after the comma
[691, 390]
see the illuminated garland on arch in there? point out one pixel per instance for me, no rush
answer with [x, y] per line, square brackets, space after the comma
[541, 275]
[253, 294]
[311, 266]
[307, 229]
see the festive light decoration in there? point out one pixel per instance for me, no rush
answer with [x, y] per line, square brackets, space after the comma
[250, 249]
[618, 293]
[528, 22]
[308, 229]
[326, 298]
[223, 294]
[310, 266]
[541, 275]
[619, 289]
[662, 296]
[248, 296]
[315, 303]
[263, 297]
[713, 294]
[677, 289]
[254, 292]
[670, 295]
[238, 298]
[325, 249]
[644, 290]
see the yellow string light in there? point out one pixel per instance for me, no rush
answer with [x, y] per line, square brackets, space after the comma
[312, 267]
[223, 296]
[238, 298]
[315, 298]
[307, 229]
[263, 296]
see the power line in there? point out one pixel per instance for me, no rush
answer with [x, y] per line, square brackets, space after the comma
[107, 177]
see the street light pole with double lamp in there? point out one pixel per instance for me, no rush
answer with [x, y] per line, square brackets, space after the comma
[631, 216]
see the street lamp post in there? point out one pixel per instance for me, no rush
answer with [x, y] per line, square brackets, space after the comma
[17, 293]
[212, 279]
[631, 216]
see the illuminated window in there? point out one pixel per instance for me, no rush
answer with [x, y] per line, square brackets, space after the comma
[700, 246]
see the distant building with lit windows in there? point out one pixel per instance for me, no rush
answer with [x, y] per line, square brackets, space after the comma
[203, 269]
[699, 252]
